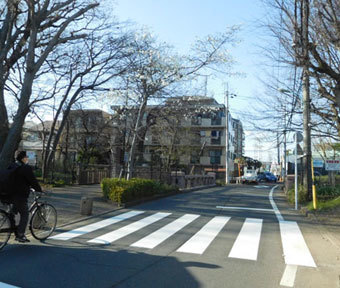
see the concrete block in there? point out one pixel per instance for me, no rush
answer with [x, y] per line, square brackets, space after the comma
[86, 205]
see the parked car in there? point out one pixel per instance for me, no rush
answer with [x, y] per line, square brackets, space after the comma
[317, 174]
[250, 176]
[266, 177]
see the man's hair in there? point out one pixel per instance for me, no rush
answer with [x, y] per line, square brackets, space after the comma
[20, 155]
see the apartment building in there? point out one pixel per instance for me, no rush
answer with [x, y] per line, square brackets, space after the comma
[187, 132]
[239, 138]
[33, 140]
[88, 133]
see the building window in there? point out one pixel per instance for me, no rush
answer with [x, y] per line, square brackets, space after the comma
[195, 138]
[177, 140]
[216, 137]
[215, 156]
[154, 140]
[194, 158]
[216, 119]
[196, 120]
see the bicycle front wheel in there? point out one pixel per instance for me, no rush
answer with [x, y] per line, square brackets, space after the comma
[43, 221]
[5, 229]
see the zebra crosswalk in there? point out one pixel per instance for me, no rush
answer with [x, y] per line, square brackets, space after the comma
[198, 243]
[247, 242]
[246, 245]
[126, 230]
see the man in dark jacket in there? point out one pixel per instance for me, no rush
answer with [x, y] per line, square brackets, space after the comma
[24, 180]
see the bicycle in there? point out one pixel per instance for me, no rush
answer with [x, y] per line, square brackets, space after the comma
[42, 222]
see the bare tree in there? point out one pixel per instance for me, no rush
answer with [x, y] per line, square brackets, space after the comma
[323, 60]
[155, 69]
[90, 133]
[29, 32]
[89, 68]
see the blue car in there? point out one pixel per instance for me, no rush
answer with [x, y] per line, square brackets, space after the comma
[266, 177]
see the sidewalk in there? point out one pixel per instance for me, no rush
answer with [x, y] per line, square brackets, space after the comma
[327, 223]
[67, 201]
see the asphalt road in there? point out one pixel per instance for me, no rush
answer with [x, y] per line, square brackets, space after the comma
[235, 236]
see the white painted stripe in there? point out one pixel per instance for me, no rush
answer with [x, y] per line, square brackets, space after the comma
[95, 226]
[247, 243]
[244, 208]
[4, 285]
[202, 239]
[126, 230]
[276, 210]
[288, 277]
[165, 232]
[295, 249]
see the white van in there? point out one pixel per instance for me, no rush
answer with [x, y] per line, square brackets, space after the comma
[250, 176]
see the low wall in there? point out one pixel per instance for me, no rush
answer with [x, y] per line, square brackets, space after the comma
[183, 181]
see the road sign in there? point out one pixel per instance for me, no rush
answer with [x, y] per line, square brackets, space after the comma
[332, 165]
[318, 163]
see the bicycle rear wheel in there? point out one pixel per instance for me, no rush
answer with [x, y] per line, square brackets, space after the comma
[5, 229]
[43, 221]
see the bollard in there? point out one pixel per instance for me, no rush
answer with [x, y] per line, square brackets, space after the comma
[86, 206]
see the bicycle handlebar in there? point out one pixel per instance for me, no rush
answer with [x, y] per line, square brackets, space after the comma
[46, 192]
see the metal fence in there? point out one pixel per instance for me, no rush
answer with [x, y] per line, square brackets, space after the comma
[93, 174]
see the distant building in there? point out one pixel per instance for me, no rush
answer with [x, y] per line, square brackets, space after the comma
[187, 131]
[88, 136]
[239, 138]
[33, 140]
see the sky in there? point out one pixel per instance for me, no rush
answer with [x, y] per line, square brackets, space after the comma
[180, 22]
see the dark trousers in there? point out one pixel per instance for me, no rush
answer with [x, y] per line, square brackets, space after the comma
[20, 206]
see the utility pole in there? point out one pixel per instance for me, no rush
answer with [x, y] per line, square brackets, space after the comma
[307, 151]
[285, 144]
[227, 138]
[285, 128]
[227, 152]
[278, 149]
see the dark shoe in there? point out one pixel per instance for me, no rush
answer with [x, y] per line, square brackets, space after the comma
[16, 231]
[22, 239]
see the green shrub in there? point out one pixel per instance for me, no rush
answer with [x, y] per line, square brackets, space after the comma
[333, 204]
[220, 182]
[122, 191]
[328, 191]
[302, 195]
[58, 183]
[38, 173]
[166, 189]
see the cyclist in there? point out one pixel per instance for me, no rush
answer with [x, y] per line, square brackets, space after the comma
[24, 180]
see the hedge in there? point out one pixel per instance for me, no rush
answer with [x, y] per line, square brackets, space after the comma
[302, 195]
[328, 192]
[123, 191]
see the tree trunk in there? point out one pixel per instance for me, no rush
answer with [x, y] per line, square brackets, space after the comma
[14, 135]
[4, 125]
[331, 178]
[131, 160]
[307, 182]
[51, 147]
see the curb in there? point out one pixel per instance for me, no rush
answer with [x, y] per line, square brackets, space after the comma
[87, 218]
[134, 203]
